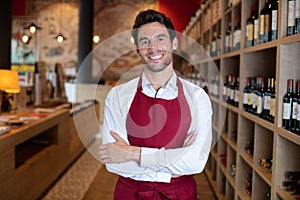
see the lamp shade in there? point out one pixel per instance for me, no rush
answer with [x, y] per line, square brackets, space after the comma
[9, 81]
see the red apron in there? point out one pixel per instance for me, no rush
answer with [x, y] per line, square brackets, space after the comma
[156, 123]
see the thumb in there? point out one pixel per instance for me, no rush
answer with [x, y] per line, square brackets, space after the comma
[115, 135]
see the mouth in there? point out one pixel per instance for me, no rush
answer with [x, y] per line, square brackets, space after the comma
[155, 57]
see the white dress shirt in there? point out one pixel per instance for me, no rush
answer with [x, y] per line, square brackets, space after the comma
[159, 164]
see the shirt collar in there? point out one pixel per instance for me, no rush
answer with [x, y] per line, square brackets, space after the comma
[172, 83]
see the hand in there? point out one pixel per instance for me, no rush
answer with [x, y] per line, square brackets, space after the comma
[119, 151]
[189, 139]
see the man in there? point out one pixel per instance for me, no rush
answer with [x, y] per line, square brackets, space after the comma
[157, 127]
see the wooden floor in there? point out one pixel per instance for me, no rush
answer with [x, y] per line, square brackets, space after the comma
[102, 187]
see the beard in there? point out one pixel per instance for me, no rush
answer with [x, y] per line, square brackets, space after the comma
[154, 67]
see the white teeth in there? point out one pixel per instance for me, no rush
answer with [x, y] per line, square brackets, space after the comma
[155, 57]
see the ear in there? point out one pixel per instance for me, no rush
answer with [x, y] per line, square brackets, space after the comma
[175, 44]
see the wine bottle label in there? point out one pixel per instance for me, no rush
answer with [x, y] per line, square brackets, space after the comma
[227, 41]
[261, 25]
[297, 9]
[274, 19]
[245, 98]
[298, 112]
[228, 92]
[267, 100]
[254, 100]
[224, 91]
[259, 104]
[291, 14]
[272, 107]
[267, 23]
[294, 113]
[247, 31]
[286, 110]
[256, 29]
[237, 37]
[249, 98]
[236, 95]
[250, 32]
[232, 94]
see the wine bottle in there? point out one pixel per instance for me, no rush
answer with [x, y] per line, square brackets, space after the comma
[260, 97]
[298, 108]
[214, 45]
[224, 90]
[266, 162]
[236, 92]
[287, 106]
[295, 110]
[256, 28]
[292, 175]
[272, 101]
[274, 26]
[255, 96]
[291, 17]
[237, 34]
[291, 185]
[268, 22]
[228, 93]
[246, 94]
[252, 103]
[232, 89]
[297, 17]
[228, 38]
[267, 99]
[264, 22]
[250, 27]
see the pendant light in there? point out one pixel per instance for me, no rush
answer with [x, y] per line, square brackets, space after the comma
[60, 37]
[32, 27]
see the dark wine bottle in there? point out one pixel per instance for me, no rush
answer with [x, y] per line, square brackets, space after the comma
[292, 175]
[264, 23]
[232, 89]
[250, 27]
[260, 97]
[297, 17]
[236, 92]
[268, 22]
[246, 95]
[291, 17]
[267, 100]
[237, 34]
[228, 39]
[224, 91]
[295, 109]
[272, 101]
[287, 106]
[274, 16]
[298, 108]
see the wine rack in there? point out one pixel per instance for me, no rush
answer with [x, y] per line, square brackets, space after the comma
[252, 155]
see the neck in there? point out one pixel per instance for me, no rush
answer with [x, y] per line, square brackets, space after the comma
[159, 79]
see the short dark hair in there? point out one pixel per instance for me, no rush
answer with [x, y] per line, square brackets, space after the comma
[149, 16]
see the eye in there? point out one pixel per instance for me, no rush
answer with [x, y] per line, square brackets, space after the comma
[160, 39]
[144, 43]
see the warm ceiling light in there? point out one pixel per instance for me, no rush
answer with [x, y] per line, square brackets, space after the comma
[60, 38]
[25, 39]
[96, 39]
[32, 28]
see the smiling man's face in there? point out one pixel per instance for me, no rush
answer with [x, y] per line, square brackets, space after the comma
[155, 46]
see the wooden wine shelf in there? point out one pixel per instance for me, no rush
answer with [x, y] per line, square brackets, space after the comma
[286, 195]
[278, 59]
[264, 174]
[244, 196]
[248, 158]
[293, 137]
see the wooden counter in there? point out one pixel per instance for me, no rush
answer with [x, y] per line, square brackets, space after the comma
[34, 155]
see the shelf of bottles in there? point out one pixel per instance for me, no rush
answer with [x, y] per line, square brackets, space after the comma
[255, 45]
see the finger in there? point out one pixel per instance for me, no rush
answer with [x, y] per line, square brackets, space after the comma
[115, 135]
